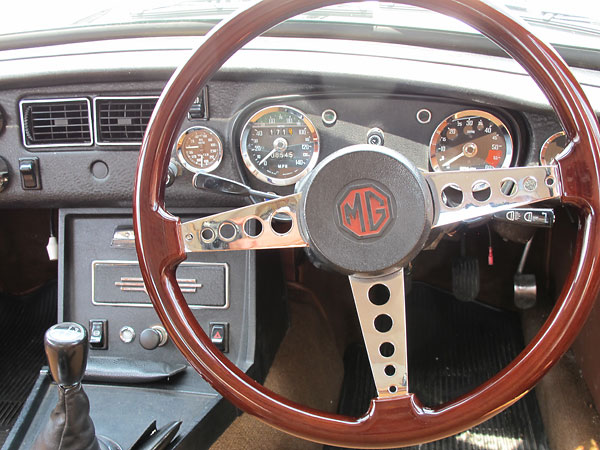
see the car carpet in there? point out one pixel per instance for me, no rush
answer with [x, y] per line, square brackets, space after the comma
[454, 346]
[23, 322]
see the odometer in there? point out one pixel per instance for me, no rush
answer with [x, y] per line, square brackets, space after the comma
[279, 145]
[470, 140]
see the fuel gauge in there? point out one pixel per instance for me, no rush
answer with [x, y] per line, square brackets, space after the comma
[199, 149]
[553, 146]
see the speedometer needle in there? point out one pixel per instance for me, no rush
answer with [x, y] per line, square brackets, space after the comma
[267, 157]
[451, 160]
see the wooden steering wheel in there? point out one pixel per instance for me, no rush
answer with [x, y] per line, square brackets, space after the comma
[410, 201]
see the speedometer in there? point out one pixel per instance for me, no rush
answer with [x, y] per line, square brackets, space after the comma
[279, 145]
[468, 140]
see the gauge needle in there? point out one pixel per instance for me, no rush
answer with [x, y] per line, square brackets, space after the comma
[267, 157]
[451, 160]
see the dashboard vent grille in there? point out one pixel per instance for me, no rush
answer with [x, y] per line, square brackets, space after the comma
[122, 120]
[56, 122]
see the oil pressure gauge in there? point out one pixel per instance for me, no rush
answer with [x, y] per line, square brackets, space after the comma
[199, 149]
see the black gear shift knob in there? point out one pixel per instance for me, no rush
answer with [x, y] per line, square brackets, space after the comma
[67, 351]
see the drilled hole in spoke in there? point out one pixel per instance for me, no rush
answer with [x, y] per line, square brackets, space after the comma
[550, 181]
[392, 389]
[207, 235]
[387, 349]
[281, 223]
[227, 231]
[390, 370]
[481, 191]
[383, 323]
[253, 227]
[379, 294]
[509, 187]
[452, 196]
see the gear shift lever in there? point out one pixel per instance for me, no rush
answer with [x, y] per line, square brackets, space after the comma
[67, 351]
[70, 426]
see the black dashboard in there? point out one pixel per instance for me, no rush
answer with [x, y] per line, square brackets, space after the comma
[384, 89]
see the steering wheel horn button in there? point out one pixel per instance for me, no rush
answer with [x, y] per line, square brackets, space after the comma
[354, 224]
[365, 209]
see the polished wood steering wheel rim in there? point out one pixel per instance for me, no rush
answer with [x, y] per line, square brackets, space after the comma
[390, 422]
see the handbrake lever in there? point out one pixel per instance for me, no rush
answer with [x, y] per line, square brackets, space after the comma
[154, 439]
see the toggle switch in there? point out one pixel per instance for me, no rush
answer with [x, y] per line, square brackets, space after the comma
[99, 334]
[30, 173]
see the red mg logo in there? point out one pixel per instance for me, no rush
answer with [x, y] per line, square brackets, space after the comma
[365, 211]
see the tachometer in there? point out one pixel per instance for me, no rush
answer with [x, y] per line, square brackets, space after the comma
[199, 149]
[279, 145]
[468, 140]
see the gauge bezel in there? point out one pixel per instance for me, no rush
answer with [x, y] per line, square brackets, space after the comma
[545, 145]
[249, 163]
[185, 163]
[508, 139]
[2, 121]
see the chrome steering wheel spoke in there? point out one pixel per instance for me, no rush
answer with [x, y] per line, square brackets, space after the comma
[381, 313]
[252, 227]
[467, 195]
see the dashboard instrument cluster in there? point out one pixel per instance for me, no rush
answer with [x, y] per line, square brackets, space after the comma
[279, 144]
[274, 144]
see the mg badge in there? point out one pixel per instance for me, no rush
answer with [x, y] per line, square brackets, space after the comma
[365, 211]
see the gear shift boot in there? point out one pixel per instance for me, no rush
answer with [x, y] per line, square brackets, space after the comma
[70, 425]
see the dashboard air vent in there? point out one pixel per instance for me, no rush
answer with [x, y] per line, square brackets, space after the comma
[56, 122]
[122, 120]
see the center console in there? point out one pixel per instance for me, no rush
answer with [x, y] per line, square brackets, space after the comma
[135, 374]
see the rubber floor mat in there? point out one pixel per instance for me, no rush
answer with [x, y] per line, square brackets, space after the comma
[23, 322]
[453, 347]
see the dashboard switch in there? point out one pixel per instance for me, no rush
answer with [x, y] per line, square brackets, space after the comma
[99, 334]
[30, 173]
[199, 109]
[219, 335]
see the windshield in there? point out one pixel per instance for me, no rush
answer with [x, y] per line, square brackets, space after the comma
[571, 23]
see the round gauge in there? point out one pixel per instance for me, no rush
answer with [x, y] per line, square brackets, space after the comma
[199, 149]
[470, 140]
[279, 145]
[553, 146]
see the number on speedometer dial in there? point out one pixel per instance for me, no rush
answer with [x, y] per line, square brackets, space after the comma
[470, 140]
[279, 145]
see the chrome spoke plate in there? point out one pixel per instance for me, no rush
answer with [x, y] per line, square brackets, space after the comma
[271, 224]
[465, 195]
[380, 306]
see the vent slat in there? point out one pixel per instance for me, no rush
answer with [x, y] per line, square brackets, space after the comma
[56, 122]
[123, 120]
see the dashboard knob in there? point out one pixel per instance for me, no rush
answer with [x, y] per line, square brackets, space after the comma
[375, 136]
[153, 337]
[3, 174]
[172, 172]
